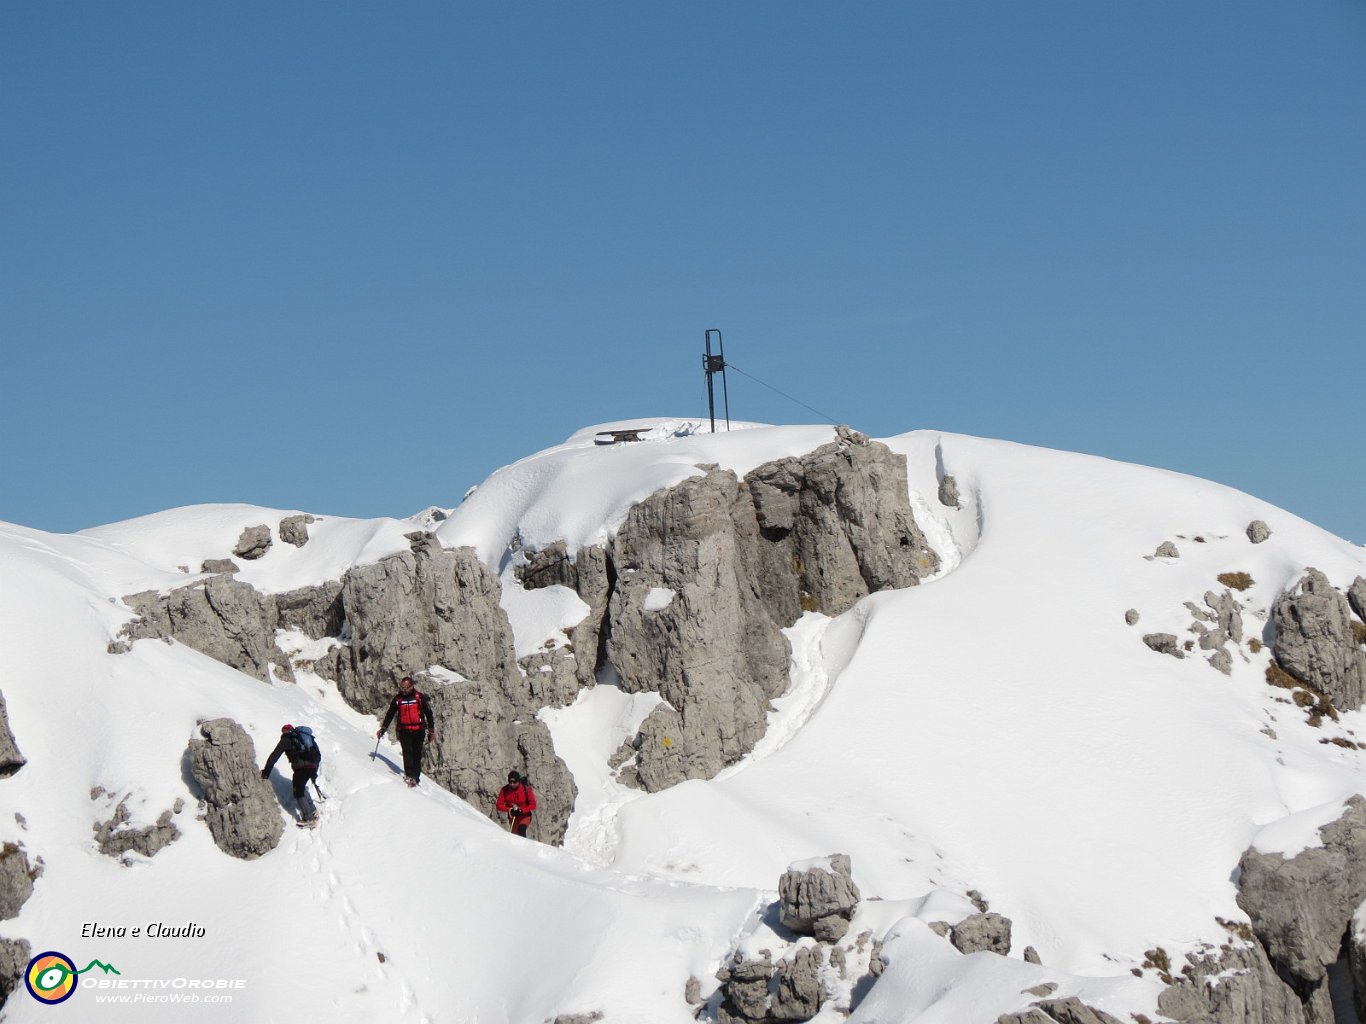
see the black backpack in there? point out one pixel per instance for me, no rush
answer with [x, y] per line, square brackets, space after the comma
[304, 745]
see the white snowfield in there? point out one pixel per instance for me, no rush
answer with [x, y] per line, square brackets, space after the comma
[999, 728]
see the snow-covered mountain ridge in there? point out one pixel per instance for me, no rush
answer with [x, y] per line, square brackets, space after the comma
[1001, 730]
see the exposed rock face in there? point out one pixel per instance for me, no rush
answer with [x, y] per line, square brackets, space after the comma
[14, 957]
[114, 840]
[1356, 957]
[294, 529]
[1258, 532]
[1301, 907]
[739, 560]
[1315, 643]
[839, 526]
[982, 932]
[1059, 1011]
[1356, 597]
[714, 652]
[10, 758]
[1239, 986]
[254, 542]
[819, 902]
[221, 617]
[16, 880]
[242, 813]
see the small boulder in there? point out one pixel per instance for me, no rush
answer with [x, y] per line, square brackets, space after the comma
[819, 900]
[798, 992]
[1131, 616]
[219, 566]
[948, 493]
[1258, 531]
[1164, 643]
[294, 529]
[14, 957]
[254, 542]
[1166, 550]
[982, 932]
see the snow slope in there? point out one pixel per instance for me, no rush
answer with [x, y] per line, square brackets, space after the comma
[999, 728]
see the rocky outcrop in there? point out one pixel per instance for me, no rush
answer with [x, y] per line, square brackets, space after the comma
[14, 957]
[735, 562]
[16, 880]
[1315, 642]
[294, 529]
[1301, 908]
[1217, 625]
[797, 992]
[820, 900]
[219, 565]
[1356, 960]
[221, 617]
[240, 807]
[115, 837]
[1356, 597]
[1237, 985]
[1059, 1011]
[254, 542]
[10, 758]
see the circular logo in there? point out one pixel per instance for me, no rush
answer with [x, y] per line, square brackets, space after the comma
[50, 977]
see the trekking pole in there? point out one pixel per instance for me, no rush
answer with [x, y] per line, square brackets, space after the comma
[375, 753]
[317, 788]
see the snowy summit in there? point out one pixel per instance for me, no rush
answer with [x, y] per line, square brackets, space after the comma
[922, 730]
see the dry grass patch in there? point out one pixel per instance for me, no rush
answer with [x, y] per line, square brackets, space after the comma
[1235, 580]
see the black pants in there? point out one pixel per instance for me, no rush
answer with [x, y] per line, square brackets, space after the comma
[303, 773]
[411, 742]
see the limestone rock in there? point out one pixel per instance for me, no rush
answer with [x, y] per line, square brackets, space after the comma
[10, 758]
[254, 542]
[744, 989]
[1059, 1011]
[1356, 958]
[1301, 907]
[1166, 550]
[294, 529]
[1315, 643]
[1356, 597]
[242, 813]
[1031, 956]
[114, 840]
[989, 932]
[1258, 531]
[1236, 986]
[797, 993]
[948, 493]
[16, 880]
[819, 901]
[221, 617]
[838, 526]
[1164, 643]
[579, 1018]
[714, 653]
[1131, 617]
[219, 565]
[14, 957]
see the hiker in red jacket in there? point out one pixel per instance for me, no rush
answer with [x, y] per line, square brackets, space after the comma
[517, 801]
[414, 724]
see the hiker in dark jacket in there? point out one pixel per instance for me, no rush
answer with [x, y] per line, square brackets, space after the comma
[299, 746]
[414, 725]
[517, 801]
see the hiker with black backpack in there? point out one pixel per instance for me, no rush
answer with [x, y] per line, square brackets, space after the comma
[414, 725]
[299, 746]
[517, 800]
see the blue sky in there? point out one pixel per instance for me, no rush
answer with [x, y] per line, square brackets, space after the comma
[351, 258]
